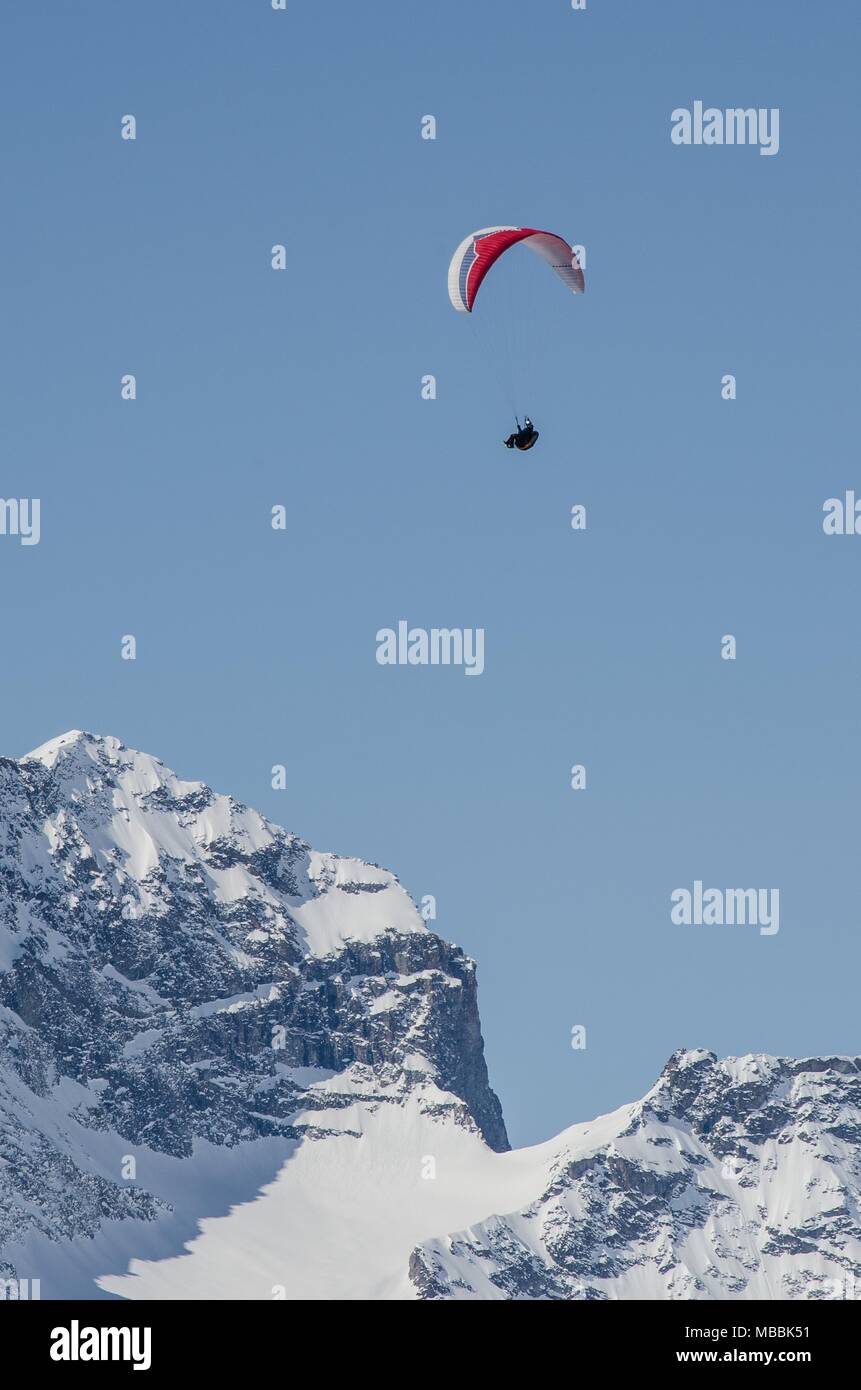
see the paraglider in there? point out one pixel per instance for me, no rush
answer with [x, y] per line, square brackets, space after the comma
[524, 438]
[479, 252]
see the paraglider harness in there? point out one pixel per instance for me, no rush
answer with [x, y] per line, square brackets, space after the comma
[524, 438]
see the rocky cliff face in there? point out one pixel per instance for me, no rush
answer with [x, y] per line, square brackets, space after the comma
[171, 966]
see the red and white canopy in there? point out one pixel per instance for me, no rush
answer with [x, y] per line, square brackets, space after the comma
[480, 250]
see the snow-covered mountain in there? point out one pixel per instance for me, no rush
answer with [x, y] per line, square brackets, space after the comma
[234, 1067]
[179, 978]
[732, 1179]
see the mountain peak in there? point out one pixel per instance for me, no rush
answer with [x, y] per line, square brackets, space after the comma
[71, 741]
[123, 821]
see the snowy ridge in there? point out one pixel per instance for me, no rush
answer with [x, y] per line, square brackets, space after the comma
[733, 1179]
[131, 815]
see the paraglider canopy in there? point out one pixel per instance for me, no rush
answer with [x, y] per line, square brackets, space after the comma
[479, 251]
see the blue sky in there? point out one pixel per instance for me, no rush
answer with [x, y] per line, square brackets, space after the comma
[302, 388]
